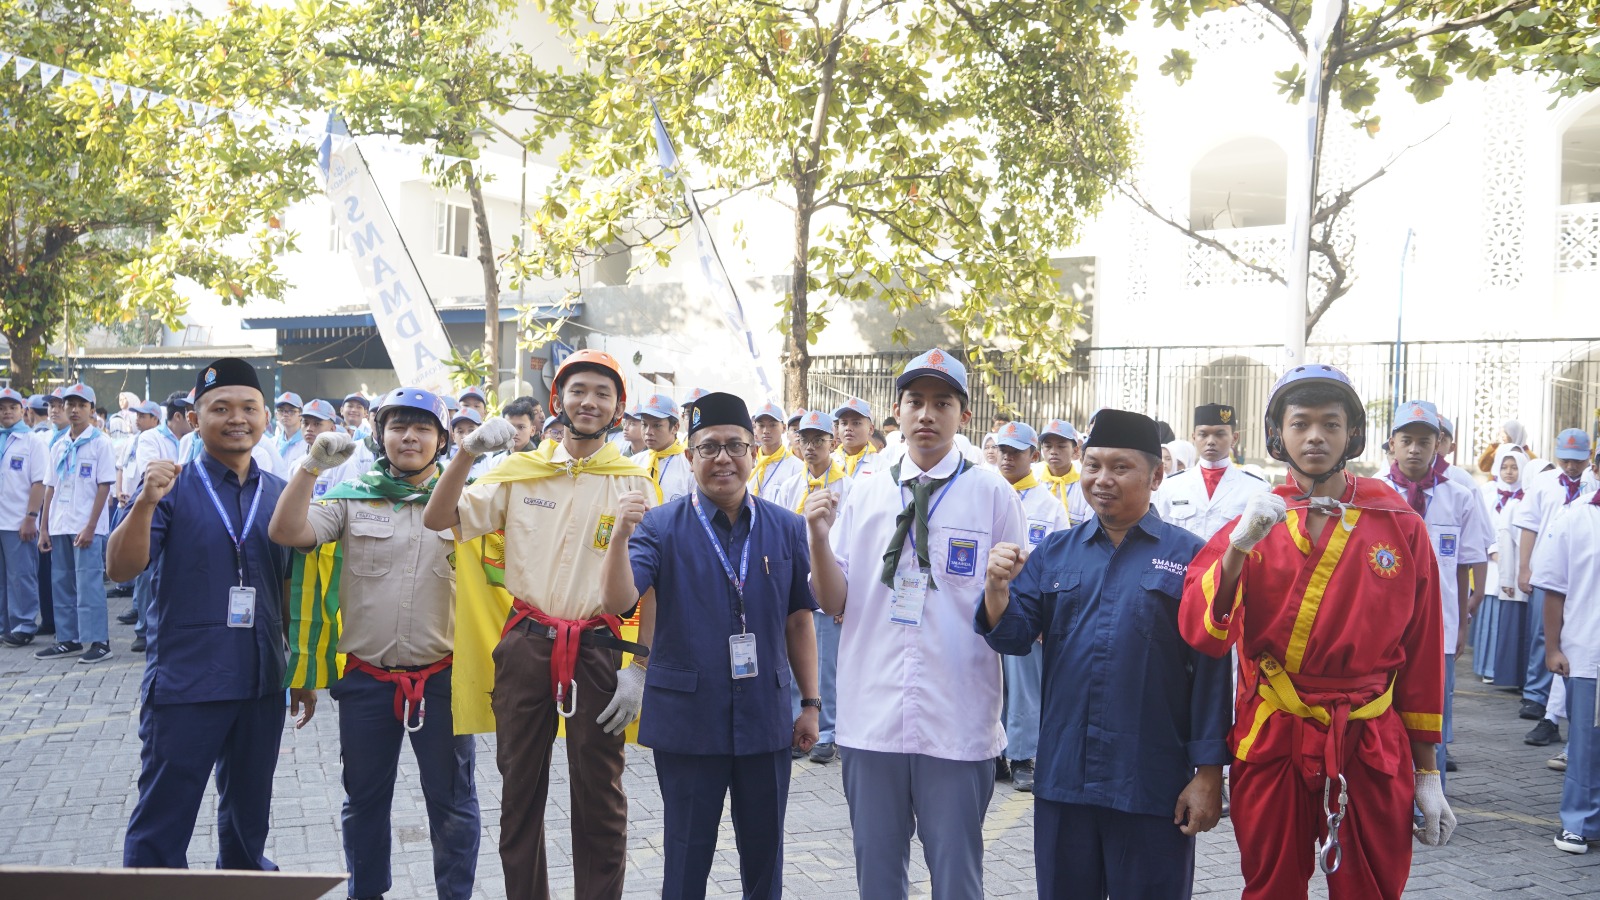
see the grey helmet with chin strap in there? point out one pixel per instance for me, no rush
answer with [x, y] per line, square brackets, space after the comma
[1325, 376]
[411, 398]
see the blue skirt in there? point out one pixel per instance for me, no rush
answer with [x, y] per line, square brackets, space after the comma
[1485, 635]
[1511, 643]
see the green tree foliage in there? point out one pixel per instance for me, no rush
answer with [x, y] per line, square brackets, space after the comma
[920, 147]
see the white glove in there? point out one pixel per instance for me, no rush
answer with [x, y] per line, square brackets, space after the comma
[492, 436]
[1261, 512]
[330, 450]
[1438, 822]
[625, 704]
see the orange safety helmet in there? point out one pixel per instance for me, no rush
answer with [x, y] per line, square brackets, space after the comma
[596, 360]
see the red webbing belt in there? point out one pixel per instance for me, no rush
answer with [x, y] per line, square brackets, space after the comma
[408, 686]
[567, 634]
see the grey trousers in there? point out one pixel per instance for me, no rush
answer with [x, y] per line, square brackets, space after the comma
[895, 795]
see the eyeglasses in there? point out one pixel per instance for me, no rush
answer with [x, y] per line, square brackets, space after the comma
[735, 449]
[814, 441]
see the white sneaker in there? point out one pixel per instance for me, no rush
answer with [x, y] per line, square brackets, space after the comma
[1558, 762]
[1571, 843]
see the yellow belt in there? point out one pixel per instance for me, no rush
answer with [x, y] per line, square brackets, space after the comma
[1279, 693]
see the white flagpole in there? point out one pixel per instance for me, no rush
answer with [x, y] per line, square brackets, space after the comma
[1325, 15]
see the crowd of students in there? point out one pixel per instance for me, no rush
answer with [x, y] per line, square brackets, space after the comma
[1062, 610]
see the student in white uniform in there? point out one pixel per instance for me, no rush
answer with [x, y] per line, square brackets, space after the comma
[1548, 496]
[904, 561]
[289, 443]
[853, 428]
[1058, 471]
[1019, 450]
[76, 521]
[1457, 525]
[664, 457]
[774, 464]
[22, 471]
[1504, 606]
[1447, 452]
[1214, 492]
[630, 437]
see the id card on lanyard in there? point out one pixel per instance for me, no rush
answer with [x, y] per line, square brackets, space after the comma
[911, 588]
[241, 598]
[742, 662]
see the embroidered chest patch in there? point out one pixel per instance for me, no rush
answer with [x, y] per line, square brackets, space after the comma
[602, 532]
[16, 463]
[1384, 559]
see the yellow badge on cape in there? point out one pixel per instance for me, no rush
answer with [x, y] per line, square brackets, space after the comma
[602, 532]
[1384, 559]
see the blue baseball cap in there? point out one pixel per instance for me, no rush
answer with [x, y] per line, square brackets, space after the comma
[549, 420]
[13, 396]
[1416, 412]
[451, 404]
[289, 398]
[466, 415]
[147, 408]
[357, 397]
[632, 412]
[817, 420]
[658, 406]
[695, 394]
[854, 405]
[1017, 436]
[1447, 426]
[1061, 428]
[935, 363]
[473, 392]
[81, 391]
[795, 417]
[319, 409]
[1573, 443]
[771, 410]
[38, 403]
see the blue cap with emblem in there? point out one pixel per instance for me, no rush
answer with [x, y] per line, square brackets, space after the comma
[1572, 443]
[795, 417]
[319, 409]
[13, 396]
[817, 420]
[658, 406]
[632, 412]
[289, 398]
[81, 391]
[771, 411]
[472, 392]
[147, 408]
[1447, 426]
[937, 364]
[466, 415]
[1017, 436]
[357, 397]
[856, 406]
[1061, 428]
[38, 403]
[1416, 412]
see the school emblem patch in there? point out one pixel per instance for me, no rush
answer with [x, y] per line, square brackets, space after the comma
[1384, 559]
[602, 532]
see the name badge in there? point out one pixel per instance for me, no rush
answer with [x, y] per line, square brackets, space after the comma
[16, 463]
[1035, 532]
[241, 607]
[86, 470]
[1180, 503]
[742, 655]
[910, 593]
[1447, 545]
[963, 557]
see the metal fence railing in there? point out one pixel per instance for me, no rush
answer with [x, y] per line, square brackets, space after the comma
[1547, 385]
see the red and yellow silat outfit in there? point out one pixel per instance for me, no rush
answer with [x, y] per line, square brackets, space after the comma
[1341, 667]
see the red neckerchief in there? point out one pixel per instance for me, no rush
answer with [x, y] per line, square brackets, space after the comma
[1573, 485]
[1213, 477]
[1440, 465]
[1414, 489]
[1507, 497]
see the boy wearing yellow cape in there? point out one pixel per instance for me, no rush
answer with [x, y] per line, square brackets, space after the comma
[559, 651]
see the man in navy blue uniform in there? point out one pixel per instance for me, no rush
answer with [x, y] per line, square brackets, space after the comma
[716, 697]
[212, 696]
[1137, 719]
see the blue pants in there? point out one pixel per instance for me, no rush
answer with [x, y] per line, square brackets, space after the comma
[47, 607]
[1448, 733]
[1091, 851]
[1024, 676]
[370, 738]
[1537, 685]
[895, 795]
[692, 793]
[19, 584]
[144, 590]
[827, 674]
[80, 589]
[1580, 790]
[181, 744]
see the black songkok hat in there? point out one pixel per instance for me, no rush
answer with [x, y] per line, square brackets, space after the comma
[719, 408]
[1215, 414]
[1121, 429]
[223, 373]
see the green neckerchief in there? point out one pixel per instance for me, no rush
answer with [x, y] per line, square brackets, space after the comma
[377, 484]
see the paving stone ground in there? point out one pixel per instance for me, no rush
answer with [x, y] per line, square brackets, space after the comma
[69, 757]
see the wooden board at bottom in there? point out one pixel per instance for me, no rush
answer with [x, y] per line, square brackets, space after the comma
[164, 884]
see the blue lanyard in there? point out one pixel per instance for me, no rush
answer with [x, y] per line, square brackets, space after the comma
[249, 519]
[912, 534]
[722, 556]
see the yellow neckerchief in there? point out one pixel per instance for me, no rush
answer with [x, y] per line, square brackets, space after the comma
[656, 456]
[852, 464]
[536, 464]
[1058, 484]
[1028, 482]
[834, 473]
[762, 462]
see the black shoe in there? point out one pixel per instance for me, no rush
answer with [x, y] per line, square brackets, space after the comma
[16, 639]
[1022, 775]
[99, 651]
[1531, 711]
[1450, 765]
[1002, 769]
[1542, 734]
[138, 645]
[130, 617]
[64, 648]
[824, 753]
[796, 753]
[119, 591]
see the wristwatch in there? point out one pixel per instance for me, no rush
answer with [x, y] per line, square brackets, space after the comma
[814, 703]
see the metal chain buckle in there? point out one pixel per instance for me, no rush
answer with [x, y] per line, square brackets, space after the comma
[1329, 853]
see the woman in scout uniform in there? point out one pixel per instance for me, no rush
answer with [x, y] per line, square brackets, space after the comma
[392, 593]
[558, 647]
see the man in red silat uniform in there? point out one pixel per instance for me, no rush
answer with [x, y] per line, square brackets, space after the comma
[1330, 588]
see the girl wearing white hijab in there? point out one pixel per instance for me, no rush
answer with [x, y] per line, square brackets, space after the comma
[1503, 626]
[1513, 436]
[1180, 455]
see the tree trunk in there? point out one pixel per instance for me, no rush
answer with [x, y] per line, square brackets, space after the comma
[797, 366]
[491, 280]
[23, 362]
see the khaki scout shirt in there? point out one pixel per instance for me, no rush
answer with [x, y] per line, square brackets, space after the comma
[396, 586]
[557, 531]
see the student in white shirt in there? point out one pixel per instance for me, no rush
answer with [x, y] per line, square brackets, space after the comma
[289, 444]
[919, 689]
[665, 457]
[1018, 445]
[22, 471]
[1058, 471]
[76, 520]
[1504, 606]
[630, 437]
[1549, 495]
[1567, 570]
[774, 465]
[146, 416]
[1212, 493]
[160, 442]
[1457, 525]
[853, 428]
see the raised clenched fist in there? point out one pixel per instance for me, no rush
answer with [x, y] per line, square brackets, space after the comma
[1261, 513]
[1005, 561]
[821, 509]
[159, 477]
[630, 512]
[492, 436]
[330, 450]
